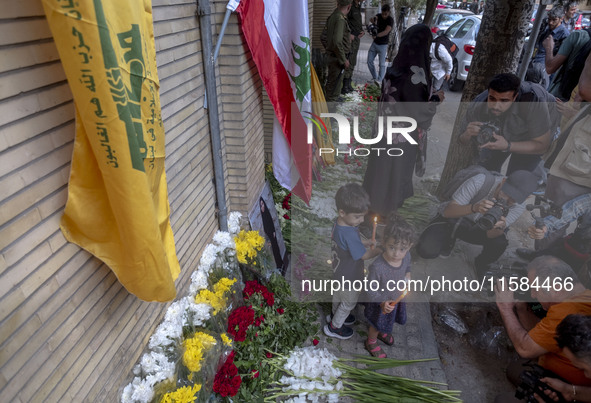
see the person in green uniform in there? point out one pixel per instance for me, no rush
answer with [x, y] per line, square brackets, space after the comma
[337, 49]
[356, 27]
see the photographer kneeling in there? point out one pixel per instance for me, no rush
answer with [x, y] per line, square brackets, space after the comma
[534, 338]
[481, 209]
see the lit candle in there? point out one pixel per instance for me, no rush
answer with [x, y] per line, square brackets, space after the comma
[392, 304]
[373, 234]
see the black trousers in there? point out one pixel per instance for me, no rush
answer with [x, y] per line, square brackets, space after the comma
[437, 239]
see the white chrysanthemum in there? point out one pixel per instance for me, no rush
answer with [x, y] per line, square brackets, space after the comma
[196, 314]
[224, 240]
[126, 395]
[137, 370]
[142, 391]
[174, 313]
[234, 222]
[153, 362]
[198, 282]
[167, 369]
[148, 363]
[208, 257]
[166, 333]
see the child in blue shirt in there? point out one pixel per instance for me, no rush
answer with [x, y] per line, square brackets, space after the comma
[348, 254]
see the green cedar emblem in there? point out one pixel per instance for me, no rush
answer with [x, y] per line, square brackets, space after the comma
[302, 80]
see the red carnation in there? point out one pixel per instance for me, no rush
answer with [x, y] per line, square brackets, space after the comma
[254, 287]
[286, 204]
[269, 355]
[259, 320]
[315, 342]
[255, 373]
[286, 217]
[280, 311]
[239, 321]
[227, 381]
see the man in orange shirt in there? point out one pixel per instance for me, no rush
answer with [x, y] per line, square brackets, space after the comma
[573, 335]
[554, 284]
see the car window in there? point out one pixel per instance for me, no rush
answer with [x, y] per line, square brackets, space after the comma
[464, 30]
[451, 31]
[446, 19]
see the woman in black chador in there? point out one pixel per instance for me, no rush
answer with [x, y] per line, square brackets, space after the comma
[269, 227]
[406, 91]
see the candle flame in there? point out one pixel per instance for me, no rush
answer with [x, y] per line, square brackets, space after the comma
[375, 219]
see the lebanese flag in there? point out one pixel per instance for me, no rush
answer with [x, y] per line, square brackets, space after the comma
[277, 35]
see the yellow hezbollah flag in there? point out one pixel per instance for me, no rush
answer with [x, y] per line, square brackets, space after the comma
[117, 206]
[319, 106]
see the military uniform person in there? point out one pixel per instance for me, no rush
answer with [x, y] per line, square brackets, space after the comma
[337, 49]
[356, 27]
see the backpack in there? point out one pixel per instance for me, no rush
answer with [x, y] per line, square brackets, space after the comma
[443, 40]
[570, 78]
[463, 175]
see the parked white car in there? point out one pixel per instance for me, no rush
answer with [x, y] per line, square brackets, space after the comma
[463, 33]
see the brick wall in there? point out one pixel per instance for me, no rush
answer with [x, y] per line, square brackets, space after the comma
[68, 330]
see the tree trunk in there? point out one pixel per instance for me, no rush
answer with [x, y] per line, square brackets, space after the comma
[429, 11]
[499, 43]
[395, 34]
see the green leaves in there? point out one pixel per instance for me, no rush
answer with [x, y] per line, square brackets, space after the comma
[278, 333]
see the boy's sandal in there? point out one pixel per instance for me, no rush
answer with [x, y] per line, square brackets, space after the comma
[374, 349]
[387, 339]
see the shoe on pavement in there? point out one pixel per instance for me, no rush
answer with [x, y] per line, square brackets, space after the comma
[349, 321]
[527, 254]
[342, 332]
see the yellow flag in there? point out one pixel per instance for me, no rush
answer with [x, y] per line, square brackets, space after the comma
[117, 206]
[319, 106]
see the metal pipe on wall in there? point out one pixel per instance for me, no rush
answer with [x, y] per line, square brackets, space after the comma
[204, 14]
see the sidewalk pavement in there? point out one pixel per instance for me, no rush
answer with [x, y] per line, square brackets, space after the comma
[416, 339]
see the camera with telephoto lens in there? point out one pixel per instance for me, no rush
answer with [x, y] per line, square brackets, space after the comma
[485, 135]
[372, 29]
[531, 383]
[493, 214]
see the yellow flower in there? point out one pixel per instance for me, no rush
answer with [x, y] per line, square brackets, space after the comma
[210, 298]
[247, 245]
[215, 298]
[223, 286]
[186, 394]
[194, 349]
[227, 341]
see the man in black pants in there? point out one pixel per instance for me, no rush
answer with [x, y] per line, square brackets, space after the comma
[460, 218]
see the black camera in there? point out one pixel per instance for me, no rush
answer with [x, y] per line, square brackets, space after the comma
[547, 208]
[372, 29]
[514, 270]
[485, 135]
[530, 384]
[494, 214]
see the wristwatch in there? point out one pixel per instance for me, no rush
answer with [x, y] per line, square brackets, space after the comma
[508, 149]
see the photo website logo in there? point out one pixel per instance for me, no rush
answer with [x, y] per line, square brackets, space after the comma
[394, 126]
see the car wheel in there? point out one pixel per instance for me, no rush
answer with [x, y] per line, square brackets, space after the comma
[454, 84]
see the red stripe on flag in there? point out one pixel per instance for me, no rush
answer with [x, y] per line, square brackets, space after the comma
[278, 86]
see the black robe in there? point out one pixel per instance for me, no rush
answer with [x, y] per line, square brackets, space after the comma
[406, 91]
